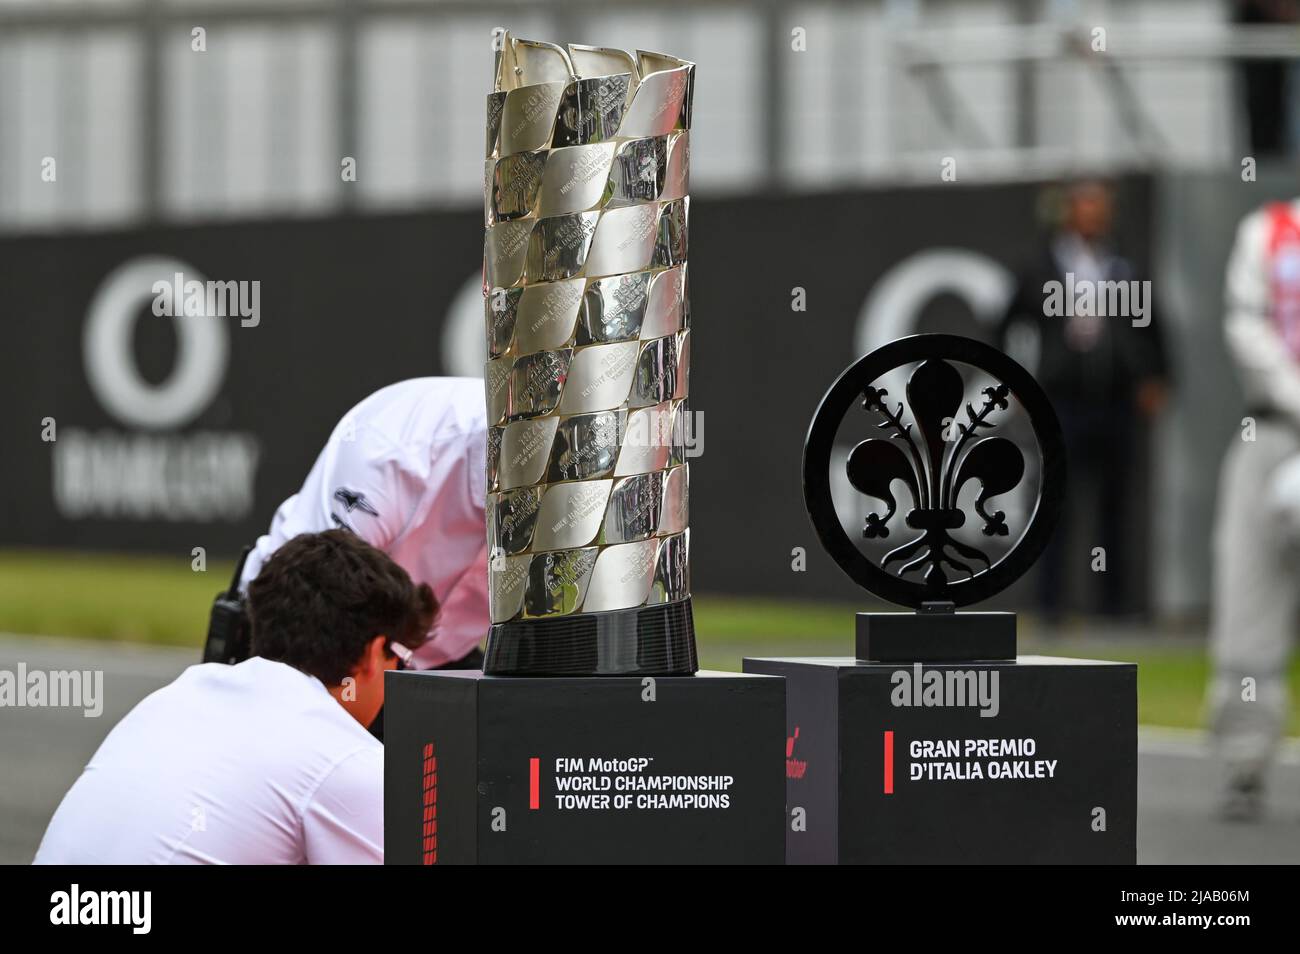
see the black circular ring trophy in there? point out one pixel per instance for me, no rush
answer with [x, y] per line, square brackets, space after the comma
[936, 443]
[934, 473]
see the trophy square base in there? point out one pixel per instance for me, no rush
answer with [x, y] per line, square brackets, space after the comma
[1024, 761]
[935, 637]
[610, 770]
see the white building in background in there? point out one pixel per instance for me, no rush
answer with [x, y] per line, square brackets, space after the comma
[113, 111]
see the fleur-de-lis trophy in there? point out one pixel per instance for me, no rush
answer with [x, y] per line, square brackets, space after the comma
[937, 442]
[588, 315]
[934, 471]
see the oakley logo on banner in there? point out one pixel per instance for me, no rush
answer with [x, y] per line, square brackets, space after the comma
[151, 470]
[202, 351]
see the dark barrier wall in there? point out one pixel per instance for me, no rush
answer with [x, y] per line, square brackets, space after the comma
[169, 438]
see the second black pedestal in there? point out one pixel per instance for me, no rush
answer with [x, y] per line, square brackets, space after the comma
[1029, 760]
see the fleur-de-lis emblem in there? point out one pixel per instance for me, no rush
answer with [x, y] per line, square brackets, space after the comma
[935, 464]
[936, 443]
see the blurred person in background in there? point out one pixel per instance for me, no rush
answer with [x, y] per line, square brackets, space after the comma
[268, 761]
[1257, 527]
[405, 470]
[1102, 372]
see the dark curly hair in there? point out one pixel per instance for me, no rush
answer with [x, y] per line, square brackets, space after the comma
[322, 596]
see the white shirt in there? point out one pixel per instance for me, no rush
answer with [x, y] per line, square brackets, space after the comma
[406, 470]
[1271, 374]
[249, 764]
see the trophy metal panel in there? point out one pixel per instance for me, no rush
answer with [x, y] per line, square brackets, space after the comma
[587, 325]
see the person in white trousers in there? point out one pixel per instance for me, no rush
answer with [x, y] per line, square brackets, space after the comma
[1256, 591]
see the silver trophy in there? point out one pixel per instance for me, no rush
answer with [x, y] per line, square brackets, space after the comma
[588, 334]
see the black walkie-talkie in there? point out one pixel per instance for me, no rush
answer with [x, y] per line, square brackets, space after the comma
[228, 629]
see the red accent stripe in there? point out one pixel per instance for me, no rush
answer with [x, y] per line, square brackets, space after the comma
[429, 833]
[889, 762]
[534, 784]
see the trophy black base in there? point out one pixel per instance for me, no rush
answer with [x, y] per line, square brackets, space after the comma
[647, 641]
[1031, 760]
[642, 770]
[942, 636]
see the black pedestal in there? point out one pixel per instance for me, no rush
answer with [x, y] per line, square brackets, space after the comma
[670, 769]
[1030, 760]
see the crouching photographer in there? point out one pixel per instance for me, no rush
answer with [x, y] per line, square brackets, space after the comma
[268, 761]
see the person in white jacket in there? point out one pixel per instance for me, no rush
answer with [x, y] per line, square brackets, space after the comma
[1256, 591]
[267, 761]
[405, 470]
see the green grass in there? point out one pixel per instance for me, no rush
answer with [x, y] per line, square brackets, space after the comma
[95, 596]
[163, 601]
[1172, 672]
